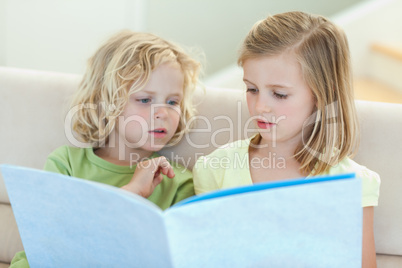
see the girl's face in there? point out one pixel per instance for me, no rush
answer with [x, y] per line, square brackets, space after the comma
[278, 98]
[151, 116]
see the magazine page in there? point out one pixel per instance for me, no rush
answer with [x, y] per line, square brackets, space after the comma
[308, 225]
[69, 222]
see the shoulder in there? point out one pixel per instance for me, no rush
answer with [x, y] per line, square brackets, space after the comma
[66, 154]
[63, 159]
[209, 171]
[347, 165]
[235, 146]
[370, 180]
[222, 158]
[67, 151]
[229, 150]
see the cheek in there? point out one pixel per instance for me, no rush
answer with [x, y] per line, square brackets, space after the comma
[302, 113]
[132, 125]
[250, 104]
[291, 114]
[309, 108]
[174, 116]
[131, 121]
[137, 114]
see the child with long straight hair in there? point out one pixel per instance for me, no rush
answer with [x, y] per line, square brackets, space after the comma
[134, 99]
[299, 94]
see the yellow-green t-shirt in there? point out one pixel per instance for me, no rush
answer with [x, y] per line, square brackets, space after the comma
[228, 166]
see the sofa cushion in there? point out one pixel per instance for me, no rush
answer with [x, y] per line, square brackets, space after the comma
[380, 150]
[9, 235]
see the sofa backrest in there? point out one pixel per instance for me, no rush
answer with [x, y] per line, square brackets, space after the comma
[31, 120]
[381, 150]
[33, 107]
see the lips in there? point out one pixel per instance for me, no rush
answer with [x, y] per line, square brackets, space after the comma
[158, 132]
[264, 124]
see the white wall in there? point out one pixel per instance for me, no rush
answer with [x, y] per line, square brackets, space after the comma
[218, 27]
[364, 23]
[59, 35]
[369, 22]
[2, 32]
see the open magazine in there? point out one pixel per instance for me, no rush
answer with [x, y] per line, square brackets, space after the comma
[68, 222]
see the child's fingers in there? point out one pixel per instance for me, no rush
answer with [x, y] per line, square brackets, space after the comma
[170, 173]
[154, 165]
[148, 175]
[165, 167]
[157, 179]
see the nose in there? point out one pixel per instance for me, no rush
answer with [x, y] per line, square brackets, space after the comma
[262, 104]
[160, 111]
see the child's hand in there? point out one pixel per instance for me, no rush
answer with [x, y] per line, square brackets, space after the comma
[148, 175]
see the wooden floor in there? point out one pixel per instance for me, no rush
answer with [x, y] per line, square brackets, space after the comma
[368, 89]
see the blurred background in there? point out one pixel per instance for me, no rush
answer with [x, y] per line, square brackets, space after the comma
[59, 35]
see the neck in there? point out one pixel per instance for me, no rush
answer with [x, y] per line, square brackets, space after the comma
[280, 149]
[278, 160]
[122, 158]
[120, 154]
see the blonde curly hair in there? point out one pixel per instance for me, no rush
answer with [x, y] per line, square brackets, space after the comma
[120, 67]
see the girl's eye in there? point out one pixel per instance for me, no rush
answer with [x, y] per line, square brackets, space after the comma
[252, 90]
[146, 100]
[173, 102]
[280, 96]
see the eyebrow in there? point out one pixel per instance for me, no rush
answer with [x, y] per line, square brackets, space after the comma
[154, 93]
[268, 85]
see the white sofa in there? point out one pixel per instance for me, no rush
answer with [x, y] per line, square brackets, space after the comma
[32, 112]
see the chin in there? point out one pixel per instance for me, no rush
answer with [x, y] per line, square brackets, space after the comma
[269, 139]
[155, 147]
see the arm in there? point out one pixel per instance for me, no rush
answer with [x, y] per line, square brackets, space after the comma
[58, 162]
[369, 254]
[370, 194]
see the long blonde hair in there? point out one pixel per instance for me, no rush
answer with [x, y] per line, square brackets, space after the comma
[322, 51]
[120, 67]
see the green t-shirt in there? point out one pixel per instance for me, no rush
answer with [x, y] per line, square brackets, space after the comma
[85, 164]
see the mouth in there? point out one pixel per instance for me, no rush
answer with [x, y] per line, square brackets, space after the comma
[158, 133]
[264, 124]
